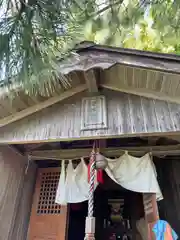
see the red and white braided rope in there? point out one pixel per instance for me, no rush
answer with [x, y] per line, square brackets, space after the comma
[90, 235]
[91, 183]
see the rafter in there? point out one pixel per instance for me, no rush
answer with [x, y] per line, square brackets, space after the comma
[174, 138]
[91, 81]
[141, 92]
[26, 112]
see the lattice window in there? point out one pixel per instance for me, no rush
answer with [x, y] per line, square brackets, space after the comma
[46, 203]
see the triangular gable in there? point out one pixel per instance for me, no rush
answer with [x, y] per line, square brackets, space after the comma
[128, 115]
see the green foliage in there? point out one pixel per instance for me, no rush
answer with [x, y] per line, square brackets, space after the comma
[32, 41]
[155, 27]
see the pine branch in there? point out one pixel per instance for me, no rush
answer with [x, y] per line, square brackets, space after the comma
[32, 44]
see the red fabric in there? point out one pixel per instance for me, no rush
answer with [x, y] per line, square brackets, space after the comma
[89, 171]
[99, 174]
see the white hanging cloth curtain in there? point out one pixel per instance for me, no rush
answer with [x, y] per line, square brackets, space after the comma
[76, 183]
[132, 173]
[60, 193]
[135, 174]
[73, 188]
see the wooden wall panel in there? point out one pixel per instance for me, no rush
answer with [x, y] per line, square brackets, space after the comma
[48, 219]
[24, 208]
[127, 115]
[15, 194]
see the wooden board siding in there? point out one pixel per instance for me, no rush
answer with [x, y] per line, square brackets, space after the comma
[48, 220]
[143, 82]
[160, 74]
[16, 190]
[128, 115]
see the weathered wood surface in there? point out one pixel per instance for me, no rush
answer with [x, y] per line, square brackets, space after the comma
[128, 115]
[48, 219]
[147, 73]
[160, 150]
[41, 105]
[16, 190]
[22, 100]
[156, 85]
[98, 57]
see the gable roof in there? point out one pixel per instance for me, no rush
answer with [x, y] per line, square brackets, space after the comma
[100, 54]
[149, 74]
[85, 45]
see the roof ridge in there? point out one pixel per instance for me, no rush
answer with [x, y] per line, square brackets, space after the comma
[92, 45]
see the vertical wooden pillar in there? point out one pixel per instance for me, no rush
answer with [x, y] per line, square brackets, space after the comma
[151, 212]
[24, 204]
[16, 189]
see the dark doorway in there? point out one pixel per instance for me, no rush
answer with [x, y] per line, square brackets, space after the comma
[77, 218]
[116, 211]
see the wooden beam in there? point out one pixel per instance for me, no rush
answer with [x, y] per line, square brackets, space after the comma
[174, 138]
[152, 141]
[102, 144]
[33, 147]
[91, 81]
[109, 152]
[26, 112]
[15, 150]
[142, 92]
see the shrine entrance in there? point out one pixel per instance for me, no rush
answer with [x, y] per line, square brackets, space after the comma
[116, 210]
[127, 101]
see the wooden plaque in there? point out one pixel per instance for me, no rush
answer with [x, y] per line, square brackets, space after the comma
[93, 113]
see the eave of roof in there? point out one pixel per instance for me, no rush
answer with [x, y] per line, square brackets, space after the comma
[88, 45]
[159, 67]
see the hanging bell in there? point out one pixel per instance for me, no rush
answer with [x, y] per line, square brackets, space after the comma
[101, 162]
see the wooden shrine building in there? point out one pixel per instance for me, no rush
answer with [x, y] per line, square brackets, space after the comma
[128, 99]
